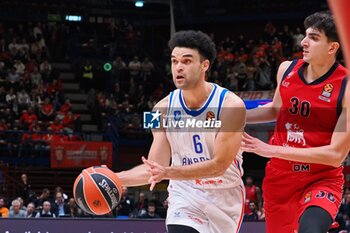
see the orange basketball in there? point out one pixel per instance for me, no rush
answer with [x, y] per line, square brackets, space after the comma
[97, 190]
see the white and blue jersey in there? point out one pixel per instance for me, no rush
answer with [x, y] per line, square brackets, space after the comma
[209, 205]
[196, 144]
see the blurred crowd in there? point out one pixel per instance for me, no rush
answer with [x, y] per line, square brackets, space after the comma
[29, 204]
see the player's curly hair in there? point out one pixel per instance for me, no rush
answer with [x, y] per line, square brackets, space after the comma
[194, 40]
[323, 21]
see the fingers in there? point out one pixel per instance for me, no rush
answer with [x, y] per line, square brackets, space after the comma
[153, 184]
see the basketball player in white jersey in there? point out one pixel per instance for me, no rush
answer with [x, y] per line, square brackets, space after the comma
[206, 192]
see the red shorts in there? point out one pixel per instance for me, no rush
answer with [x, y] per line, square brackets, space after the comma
[288, 189]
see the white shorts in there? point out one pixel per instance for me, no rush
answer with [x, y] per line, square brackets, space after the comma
[207, 211]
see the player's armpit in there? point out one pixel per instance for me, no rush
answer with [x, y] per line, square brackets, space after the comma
[228, 139]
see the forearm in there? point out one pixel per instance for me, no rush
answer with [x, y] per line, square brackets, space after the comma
[325, 155]
[261, 115]
[134, 177]
[210, 168]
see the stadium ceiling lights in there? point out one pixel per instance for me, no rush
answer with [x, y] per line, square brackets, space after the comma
[139, 3]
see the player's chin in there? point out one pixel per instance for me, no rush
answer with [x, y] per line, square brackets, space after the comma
[306, 58]
[180, 85]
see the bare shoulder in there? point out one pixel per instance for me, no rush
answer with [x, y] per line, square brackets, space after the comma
[282, 69]
[162, 105]
[233, 113]
[346, 98]
[232, 100]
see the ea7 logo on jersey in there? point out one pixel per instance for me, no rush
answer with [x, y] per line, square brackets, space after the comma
[151, 120]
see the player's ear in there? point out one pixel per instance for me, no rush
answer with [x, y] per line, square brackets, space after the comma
[334, 46]
[205, 65]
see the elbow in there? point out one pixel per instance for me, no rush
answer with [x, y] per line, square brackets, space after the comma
[219, 168]
[338, 162]
[337, 157]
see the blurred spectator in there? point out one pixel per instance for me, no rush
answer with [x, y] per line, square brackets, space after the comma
[134, 69]
[118, 66]
[60, 189]
[28, 118]
[140, 207]
[126, 204]
[74, 210]
[45, 71]
[26, 192]
[46, 211]
[253, 194]
[163, 209]
[147, 68]
[16, 211]
[59, 207]
[3, 209]
[87, 78]
[11, 98]
[35, 77]
[297, 38]
[151, 211]
[2, 97]
[253, 212]
[47, 111]
[31, 210]
[23, 100]
[263, 75]
[19, 67]
[44, 196]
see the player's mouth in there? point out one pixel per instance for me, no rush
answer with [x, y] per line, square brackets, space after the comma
[180, 77]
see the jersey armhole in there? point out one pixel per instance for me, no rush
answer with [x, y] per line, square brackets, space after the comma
[170, 102]
[221, 101]
[341, 95]
[289, 69]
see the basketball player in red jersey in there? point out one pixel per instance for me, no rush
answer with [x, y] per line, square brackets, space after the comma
[303, 185]
[252, 193]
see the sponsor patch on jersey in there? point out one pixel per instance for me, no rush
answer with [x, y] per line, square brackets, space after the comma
[195, 219]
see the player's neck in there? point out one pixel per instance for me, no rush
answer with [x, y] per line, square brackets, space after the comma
[315, 71]
[196, 97]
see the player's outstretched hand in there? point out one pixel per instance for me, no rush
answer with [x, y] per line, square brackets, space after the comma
[157, 172]
[255, 145]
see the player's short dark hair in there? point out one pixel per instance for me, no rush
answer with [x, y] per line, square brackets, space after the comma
[194, 40]
[323, 21]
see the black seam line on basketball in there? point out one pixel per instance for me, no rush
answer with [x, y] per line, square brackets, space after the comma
[108, 204]
[87, 203]
[86, 207]
[117, 186]
[105, 195]
[98, 190]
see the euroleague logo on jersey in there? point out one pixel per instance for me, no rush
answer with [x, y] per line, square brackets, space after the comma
[326, 92]
[210, 116]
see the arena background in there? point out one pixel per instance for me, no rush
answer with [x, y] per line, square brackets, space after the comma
[88, 106]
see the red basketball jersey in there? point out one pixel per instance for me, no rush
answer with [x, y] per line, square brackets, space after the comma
[250, 195]
[309, 111]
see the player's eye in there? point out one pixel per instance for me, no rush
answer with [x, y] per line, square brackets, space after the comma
[187, 61]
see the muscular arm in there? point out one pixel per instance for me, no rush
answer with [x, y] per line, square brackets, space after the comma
[227, 144]
[159, 152]
[332, 154]
[268, 112]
